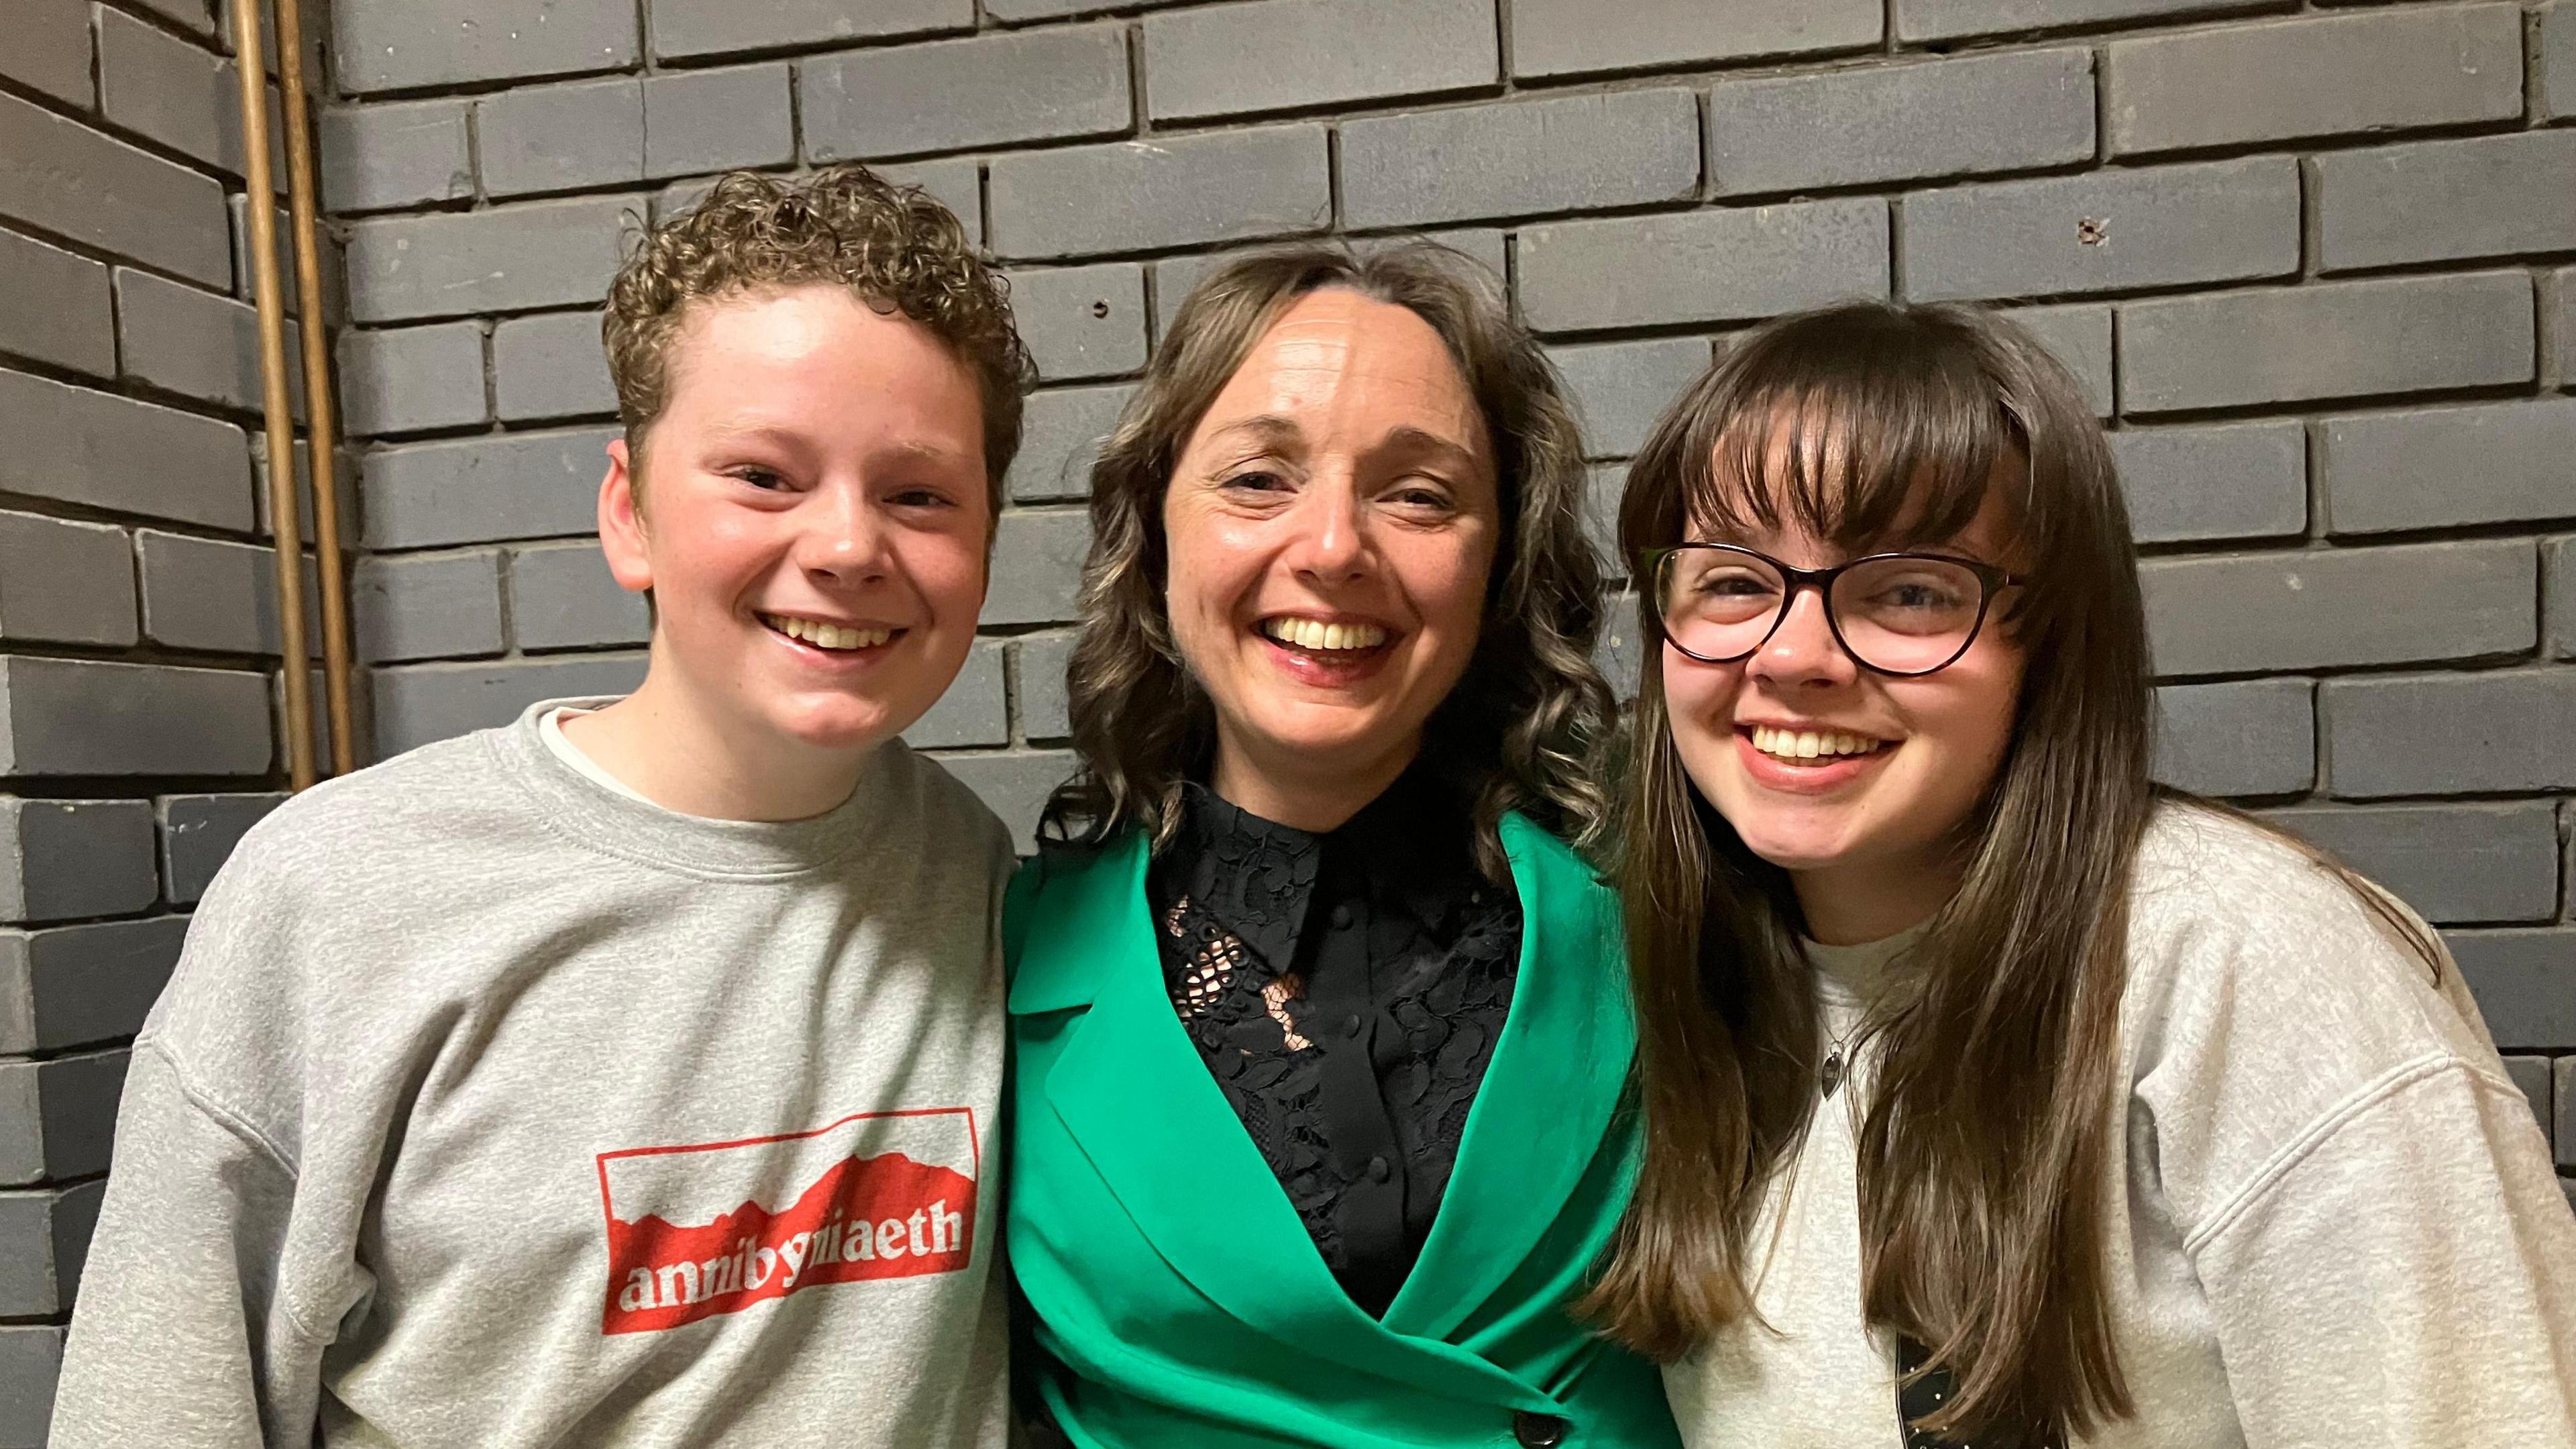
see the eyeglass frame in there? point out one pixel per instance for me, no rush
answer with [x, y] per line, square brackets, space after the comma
[1990, 582]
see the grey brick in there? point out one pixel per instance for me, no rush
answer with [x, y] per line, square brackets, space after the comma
[204, 593]
[433, 606]
[106, 451]
[246, 262]
[197, 343]
[1620, 654]
[562, 596]
[198, 833]
[70, 986]
[2451, 862]
[2247, 737]
[477, 490]
[2325, 608]
[2006, 112]
[2532, 1075]
[344, 477]
[2565, 1093]
[90, 717]
[48, 1231]
[1481, 246]
[1604, 485]
[973, 711]
[374, 158]
[102, 193]
[2230, 480]
[179, 94]
[1082, 322]
[1015, 785]
[2447, 200]
[2524, 981]
[2563, 283]
[1621, 388]
[418, 703]
[1011, 12]
[1702, 266]
[2442, 467]
[1277, 55]
[1563, 37]
[2285, 80]
[31, 1354]
[2079, 337]
[49, 49]
[1039, 676]
[1578, 153]
[409, 379]
[551, 366]
[2558, 565]
[1037, 566]
[2105, 231]
[2328, 340]
[940, 96]
[956, 182]
[65, 582]
[2503, 730]
[1919, 20]
[711, 27]
[1061, 434]
[56, 307]
[562, 137]
[1171, 191]
[715, 120]
[382, 47]
[508, 259]
[58, 1117]
[65, 858]
[2557, 39]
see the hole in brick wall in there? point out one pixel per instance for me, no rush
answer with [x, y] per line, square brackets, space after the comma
[2092, 231]
[1100, 309]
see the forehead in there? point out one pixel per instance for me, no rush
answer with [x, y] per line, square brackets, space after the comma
[1836, 476]
[1336, 358]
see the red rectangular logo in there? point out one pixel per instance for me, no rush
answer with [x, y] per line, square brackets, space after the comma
[708, 1228]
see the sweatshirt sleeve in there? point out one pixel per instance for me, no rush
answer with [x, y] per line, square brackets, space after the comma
[178, 1336]
[2403, 1277]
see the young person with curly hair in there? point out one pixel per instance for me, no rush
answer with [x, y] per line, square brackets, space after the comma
[624, 1074]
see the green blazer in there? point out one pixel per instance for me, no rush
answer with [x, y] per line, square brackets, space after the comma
[1177, 1298]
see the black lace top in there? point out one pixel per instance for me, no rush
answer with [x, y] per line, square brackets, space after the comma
[1346, 990]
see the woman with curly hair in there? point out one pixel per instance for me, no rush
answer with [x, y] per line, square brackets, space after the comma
[1320, 1020]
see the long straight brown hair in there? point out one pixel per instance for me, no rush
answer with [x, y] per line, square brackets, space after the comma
[1982, 1152]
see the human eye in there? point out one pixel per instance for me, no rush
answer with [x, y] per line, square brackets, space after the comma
[768, 480]
[1253, 480]
[924, 497]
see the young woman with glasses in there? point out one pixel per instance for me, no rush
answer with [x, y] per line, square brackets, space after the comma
[1992, 1094]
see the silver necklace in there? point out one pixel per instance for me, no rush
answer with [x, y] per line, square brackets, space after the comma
[1838, 1060]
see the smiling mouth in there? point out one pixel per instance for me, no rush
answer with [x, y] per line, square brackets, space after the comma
[1812, 747]
[833, 638]
[1315, 636]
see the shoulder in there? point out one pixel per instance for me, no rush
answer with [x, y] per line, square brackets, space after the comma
[946, 817]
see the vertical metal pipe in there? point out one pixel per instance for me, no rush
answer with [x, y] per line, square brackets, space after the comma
[286, 529]
[322, 421]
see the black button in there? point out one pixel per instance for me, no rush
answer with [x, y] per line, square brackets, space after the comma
[1538, 1431]
[1380, 1170]
[1351, 1025]
[1341, 918]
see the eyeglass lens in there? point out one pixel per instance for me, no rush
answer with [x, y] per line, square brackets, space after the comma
[1903, 614]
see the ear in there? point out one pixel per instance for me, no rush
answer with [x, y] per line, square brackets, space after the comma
[621, 524]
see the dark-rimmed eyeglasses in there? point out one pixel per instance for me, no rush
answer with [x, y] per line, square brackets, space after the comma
[1894, 613]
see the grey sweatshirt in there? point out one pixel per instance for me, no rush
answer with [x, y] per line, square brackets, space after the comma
[2332, 1220]
[488, 1107]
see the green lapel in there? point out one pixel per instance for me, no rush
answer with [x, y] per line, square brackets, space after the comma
[1549, 1093]
[1131, 1090]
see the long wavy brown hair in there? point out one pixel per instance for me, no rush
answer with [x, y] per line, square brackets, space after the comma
[1517, 732]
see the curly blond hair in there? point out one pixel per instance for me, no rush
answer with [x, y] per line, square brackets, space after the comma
[897, 247]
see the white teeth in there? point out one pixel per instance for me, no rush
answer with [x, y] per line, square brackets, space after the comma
[1811, 744]
[1316, 634]
[826, 636]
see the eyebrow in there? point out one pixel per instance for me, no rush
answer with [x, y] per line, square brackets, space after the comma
[1273, 430]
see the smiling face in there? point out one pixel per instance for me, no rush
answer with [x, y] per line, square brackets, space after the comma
[1858, 784]
[812, 520]
[1330, 527]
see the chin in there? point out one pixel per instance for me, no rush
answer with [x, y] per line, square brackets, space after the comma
[839, 724]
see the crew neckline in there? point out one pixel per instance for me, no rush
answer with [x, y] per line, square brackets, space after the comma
[1852, 974]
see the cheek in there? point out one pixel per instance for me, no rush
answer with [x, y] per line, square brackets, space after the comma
[949, 570]
[1700, 698]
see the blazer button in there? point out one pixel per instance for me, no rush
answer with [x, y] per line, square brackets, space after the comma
[1380, 1169]
[1351, 1025]
[1538, 1431]
[1342, 918]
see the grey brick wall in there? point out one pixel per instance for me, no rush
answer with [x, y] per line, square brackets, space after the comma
[2311, 263]
[137, 626]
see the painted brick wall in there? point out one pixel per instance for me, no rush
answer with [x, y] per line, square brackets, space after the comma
[138, 668]
[2315, 265]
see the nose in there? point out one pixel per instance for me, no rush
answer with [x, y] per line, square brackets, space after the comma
[1331, 542]
[843, 537]
[1803, 650]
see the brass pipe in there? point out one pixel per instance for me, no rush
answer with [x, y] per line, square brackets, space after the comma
[321, 423]
[286, 530]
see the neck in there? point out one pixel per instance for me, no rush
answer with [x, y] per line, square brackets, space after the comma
[666, 746]
[1305, 793]
[1854, 904]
